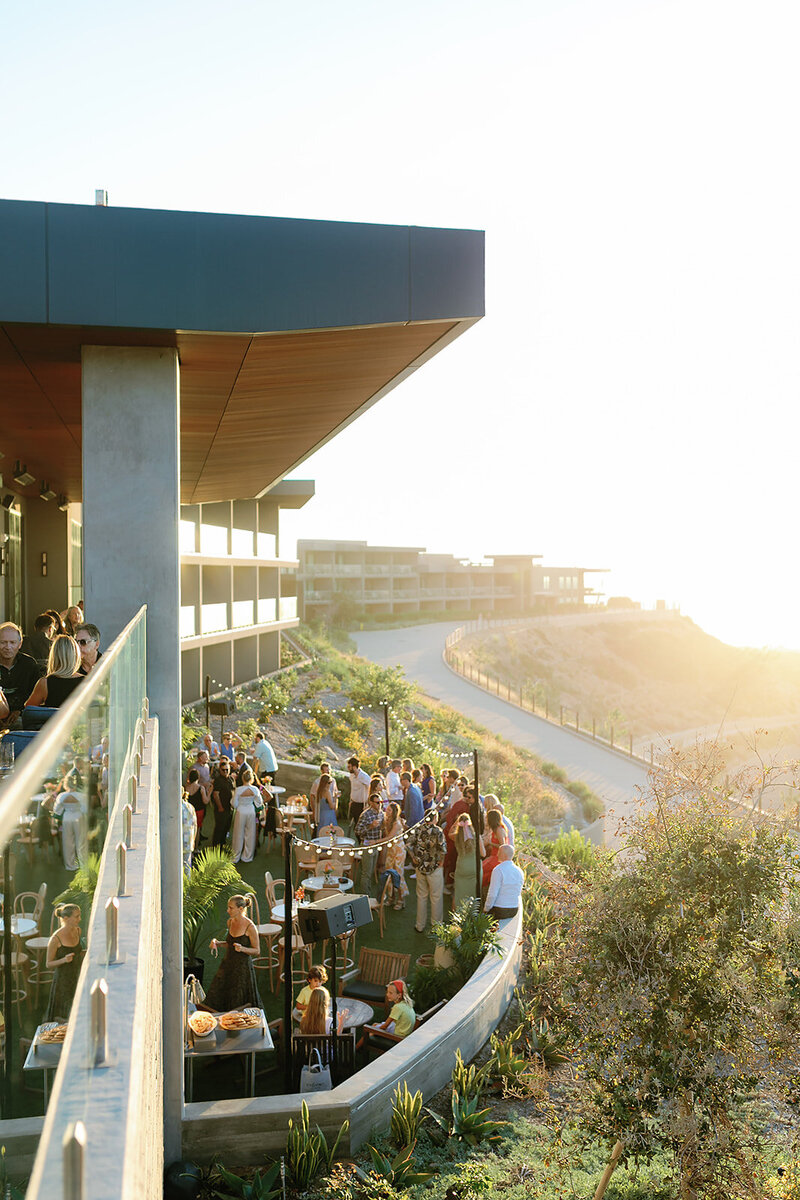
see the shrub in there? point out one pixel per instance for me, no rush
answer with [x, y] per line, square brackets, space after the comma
[591, 803]
[554, 771]
[276, 696]
[573, 851]
[307, 1152]
[374, 686]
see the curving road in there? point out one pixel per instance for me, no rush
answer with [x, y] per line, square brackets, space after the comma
[418, 650]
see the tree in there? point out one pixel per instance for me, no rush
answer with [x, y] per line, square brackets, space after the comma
[674, 986]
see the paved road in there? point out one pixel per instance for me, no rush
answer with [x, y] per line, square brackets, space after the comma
[419, 651]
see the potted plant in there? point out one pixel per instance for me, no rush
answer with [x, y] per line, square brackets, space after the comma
[463, 941]
[82, 887]
[212, 873]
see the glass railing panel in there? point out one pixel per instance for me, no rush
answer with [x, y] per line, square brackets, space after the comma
[188, 620]
[186, 537]
[58, 786]
[267, 610]
[287, 608]
[242, 613]
[242, 543]
[214, 618]
[266, 545]
[214, 540]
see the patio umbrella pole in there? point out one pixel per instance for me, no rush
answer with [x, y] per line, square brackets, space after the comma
[288, 897]
[476, 821]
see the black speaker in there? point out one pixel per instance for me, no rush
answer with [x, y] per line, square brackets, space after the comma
[332, 917]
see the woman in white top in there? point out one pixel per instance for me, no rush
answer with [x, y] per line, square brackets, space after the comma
[246, 804]
[73, 829]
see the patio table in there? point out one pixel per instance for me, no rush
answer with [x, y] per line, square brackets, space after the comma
[315, 882]
[43, 1056]
[245, 1041]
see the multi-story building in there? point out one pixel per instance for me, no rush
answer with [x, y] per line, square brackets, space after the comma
[342, 579]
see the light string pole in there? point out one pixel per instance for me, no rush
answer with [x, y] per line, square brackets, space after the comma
[476, 821]
[288, 947]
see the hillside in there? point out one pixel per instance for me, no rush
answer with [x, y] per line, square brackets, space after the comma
[649, 674]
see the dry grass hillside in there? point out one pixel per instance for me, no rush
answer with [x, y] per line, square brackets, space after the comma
[647, 674]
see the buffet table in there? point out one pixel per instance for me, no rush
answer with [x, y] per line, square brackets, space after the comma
[220, 1041]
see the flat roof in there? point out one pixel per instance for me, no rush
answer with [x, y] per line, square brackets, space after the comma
[286, 329]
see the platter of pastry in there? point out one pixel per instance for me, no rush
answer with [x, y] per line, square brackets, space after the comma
[202, 1024]
[51, 1035]
[235, 1022]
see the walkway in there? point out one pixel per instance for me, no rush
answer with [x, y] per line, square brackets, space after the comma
[418, 650]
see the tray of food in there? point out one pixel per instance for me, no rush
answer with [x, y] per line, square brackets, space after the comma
[235, 1022]
[202, 1024]
[51, 1034]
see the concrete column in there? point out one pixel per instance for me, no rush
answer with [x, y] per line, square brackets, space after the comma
[131, 404]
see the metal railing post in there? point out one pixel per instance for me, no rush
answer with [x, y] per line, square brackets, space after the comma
[99, 999]
[74, 1161]
[122, 869]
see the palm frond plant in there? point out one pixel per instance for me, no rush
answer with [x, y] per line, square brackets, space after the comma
[213, 873]
[82, 887]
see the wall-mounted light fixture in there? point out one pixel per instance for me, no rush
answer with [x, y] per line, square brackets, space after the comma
[46, 492]
[44, 562]
[22, 475]
[63, 503]
[9, 500]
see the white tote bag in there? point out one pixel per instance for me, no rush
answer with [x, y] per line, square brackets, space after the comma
[314, 1077]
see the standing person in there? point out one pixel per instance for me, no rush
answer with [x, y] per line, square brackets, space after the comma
[451, 814]
[239, 766]
[235, 985]
[426, 847]
[58, 623]
[369, 829]
[359, 789]
[395, 858]
[19, 673]
[324, 769]
[264, 755]
[64, 958]
[246, 804]
[496, 837]
[210, 746]
[197, 797]
[393, 788]
[428, 787]
[62, 676]
[324, 803]
[188, 833]
[67, 811]
[463, 834]
[229, 745]
[505, 886]
[222, 797]
[88, 638]
[412, 801]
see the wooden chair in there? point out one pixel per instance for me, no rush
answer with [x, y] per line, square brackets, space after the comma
[275, 889]
[304, 1044]
[380, 1040]
[305, 860]
[344, 948]
[375, 969]
[327, 830]
[380, 906]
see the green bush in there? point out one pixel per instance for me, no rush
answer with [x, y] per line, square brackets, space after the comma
[554, 771]
[573, 851]
[276, 696]
[373, 686]
[407, 1116]
[591, 803]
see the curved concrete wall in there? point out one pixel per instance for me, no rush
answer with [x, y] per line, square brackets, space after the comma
[243, 1131]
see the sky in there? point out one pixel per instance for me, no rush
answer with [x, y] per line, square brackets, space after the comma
[629, 401]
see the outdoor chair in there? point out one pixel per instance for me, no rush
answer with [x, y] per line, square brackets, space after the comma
[304, 1044]
[376, 969]
[380, 906]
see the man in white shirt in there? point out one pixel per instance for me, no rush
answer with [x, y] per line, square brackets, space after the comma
[393, 785]
[359, 789]
[505, 886]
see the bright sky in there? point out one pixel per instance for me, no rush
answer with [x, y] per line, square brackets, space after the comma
[631, 398]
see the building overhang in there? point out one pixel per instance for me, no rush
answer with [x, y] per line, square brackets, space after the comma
[286, 329]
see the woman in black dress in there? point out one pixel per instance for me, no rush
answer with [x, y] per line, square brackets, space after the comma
[64, 958]
[235, 985]
[62, 674]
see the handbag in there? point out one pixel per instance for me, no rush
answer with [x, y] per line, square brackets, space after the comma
[314, 1077]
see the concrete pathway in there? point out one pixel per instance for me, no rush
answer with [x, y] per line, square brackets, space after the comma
[419, 651]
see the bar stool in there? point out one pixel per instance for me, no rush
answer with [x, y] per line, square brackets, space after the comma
[37, 946]
[268, 931]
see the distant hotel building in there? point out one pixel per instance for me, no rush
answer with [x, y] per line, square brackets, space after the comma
[397, 580]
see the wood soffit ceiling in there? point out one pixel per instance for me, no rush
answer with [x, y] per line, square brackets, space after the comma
[252, 406]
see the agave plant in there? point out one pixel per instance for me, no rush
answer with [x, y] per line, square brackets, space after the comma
[398, 1171]
[407, 1116]
[470, 1123]
[212, 873]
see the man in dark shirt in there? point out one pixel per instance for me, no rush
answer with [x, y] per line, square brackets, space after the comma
[19, 673]
[222, 795]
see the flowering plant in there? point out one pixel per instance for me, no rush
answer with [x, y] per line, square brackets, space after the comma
[300, 894]
[327, 869]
